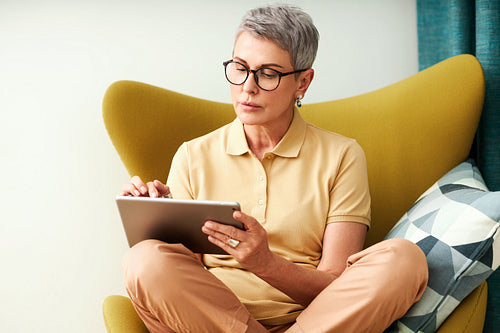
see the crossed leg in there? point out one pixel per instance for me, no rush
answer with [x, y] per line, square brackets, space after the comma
[173, 292]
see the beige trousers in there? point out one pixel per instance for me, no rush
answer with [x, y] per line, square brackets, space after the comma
[173, 292]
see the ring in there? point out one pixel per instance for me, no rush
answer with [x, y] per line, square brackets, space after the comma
[233, 243]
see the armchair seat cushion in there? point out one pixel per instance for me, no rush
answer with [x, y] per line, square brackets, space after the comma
[120, 316]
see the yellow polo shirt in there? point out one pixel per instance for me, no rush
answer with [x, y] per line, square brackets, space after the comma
[311, 178]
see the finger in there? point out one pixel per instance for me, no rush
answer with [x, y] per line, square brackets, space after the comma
[221, 244]
[223, 232]
[163, 189]
[217, 238]
[130, 189]
[124, 192]
[248, 221]
[139, 185]
[153, 192]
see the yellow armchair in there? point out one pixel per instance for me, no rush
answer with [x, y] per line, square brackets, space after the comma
[413, 132]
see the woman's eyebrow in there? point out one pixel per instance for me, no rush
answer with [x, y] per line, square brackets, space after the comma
[261, 66]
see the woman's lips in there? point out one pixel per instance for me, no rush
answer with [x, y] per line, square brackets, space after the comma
[249, 106]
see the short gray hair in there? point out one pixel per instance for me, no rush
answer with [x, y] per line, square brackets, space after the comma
[289, 27]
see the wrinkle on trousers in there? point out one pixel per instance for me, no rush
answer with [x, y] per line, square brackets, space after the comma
[173, 292]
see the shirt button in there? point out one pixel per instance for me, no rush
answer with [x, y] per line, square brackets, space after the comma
[261, 178]
[261, 202]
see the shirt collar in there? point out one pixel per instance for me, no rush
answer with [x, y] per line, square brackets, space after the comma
[289, 146]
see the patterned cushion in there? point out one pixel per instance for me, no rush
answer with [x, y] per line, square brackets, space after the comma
[455, 223]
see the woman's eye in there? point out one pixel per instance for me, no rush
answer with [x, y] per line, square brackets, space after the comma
[268, 73]
[239, 67]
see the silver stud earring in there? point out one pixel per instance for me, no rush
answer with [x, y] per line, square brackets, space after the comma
[298, 100]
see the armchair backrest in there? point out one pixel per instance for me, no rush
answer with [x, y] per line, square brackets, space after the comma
[147, 124]
[413, 131]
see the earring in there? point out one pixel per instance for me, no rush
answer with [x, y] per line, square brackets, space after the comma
[298, 100]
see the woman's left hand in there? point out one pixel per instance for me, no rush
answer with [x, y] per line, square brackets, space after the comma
[252, 252]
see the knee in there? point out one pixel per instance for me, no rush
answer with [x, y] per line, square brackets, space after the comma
[407, 257]
[149, 262]
[139, 260]
[408, 265]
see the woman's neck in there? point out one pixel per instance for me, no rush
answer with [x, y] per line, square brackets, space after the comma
[262, 139]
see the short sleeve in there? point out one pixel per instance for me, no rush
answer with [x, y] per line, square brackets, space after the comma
[178, 178]
[350, 194]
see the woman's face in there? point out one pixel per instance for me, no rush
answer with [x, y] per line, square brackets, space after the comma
[253, 105]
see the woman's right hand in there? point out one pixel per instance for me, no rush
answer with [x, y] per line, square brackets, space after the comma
[137, 188]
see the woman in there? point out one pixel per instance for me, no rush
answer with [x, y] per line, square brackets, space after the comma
[299, 265]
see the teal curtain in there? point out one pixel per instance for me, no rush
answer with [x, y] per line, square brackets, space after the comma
[450, 27]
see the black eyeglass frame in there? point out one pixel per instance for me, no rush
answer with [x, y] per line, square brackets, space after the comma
[256, 78]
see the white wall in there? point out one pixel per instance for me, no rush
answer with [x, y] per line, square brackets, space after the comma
[61, 241]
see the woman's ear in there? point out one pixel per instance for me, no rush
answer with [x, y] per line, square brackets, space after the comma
[304, 81]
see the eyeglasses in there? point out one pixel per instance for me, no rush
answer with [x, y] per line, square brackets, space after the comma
[267, 79]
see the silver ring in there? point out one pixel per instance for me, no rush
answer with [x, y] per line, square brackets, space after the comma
[233, 242]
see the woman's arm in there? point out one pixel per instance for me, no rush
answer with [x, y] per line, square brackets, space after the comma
[341, 239]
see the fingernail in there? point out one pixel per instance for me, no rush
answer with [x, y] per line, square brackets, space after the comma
[136, 192]
[144, 190]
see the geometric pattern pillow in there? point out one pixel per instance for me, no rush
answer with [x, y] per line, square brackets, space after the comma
[456, 223]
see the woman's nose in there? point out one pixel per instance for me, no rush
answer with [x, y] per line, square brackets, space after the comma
[250, 85]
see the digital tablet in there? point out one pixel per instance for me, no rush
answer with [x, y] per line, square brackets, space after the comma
[174, 220]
